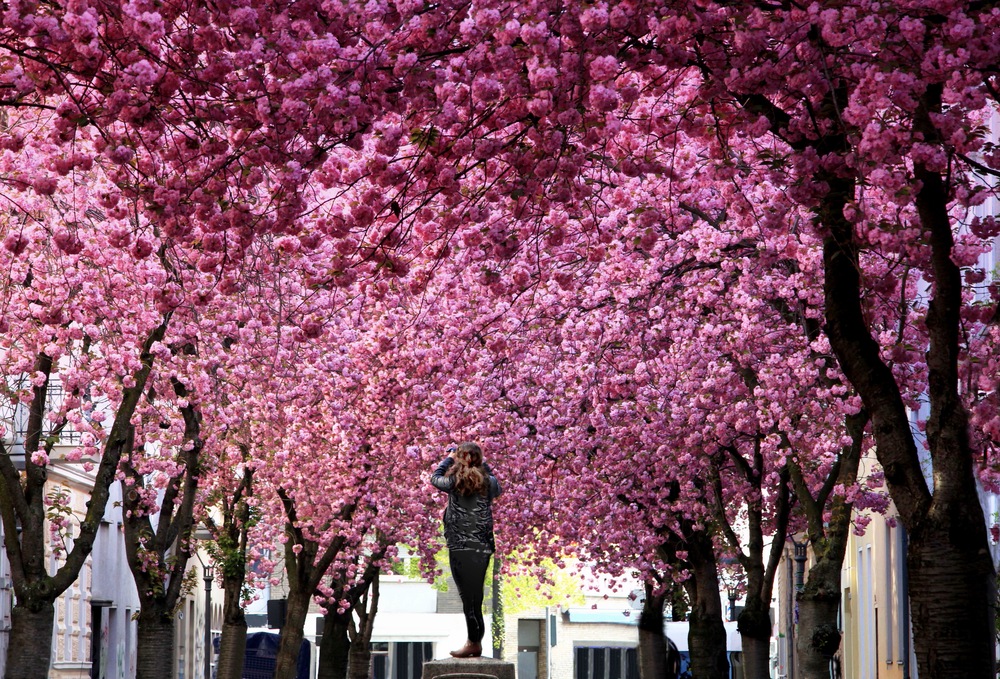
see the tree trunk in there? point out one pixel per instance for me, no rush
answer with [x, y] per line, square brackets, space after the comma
[335, 647]
[952, 591]
[361, 660]
[497, 620]
[830, 519]
[952, 577]
[155, 648]
[31, 636]
[292, 634]
[366, 609]
[233, 642]
[755, 631]
[25, 525]
[230, 557]
[818, 636]
[652, 643]
[707, 633]
[707, 644]
[232, 650]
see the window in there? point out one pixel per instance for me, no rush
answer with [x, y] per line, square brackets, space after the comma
[606, 662]
[400, 660]
[379, 661]
[53, 403]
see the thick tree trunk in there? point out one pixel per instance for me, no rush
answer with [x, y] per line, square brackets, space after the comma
[292, 634]
[361, 660]
[30, 643]
[707, 633]
[707, 644]
[335, 647]
[232, 650]
[952, 593]
[233, 643]
[652, 643]
[754, 624]
[755, 632]
[818, 636]
[155, 645]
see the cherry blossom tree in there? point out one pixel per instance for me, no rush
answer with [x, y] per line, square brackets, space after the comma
[345, 650]
[490, 159]
[177, 114]
[868, 115]
[82, 311]
[159, 500]
[853, 139]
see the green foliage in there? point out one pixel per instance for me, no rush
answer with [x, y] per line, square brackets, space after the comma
[414, 568]
[525, 588]
[425, 137]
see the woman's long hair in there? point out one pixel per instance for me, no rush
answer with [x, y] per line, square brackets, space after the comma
[470, 477]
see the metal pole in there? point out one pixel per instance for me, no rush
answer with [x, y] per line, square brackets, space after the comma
[548, 645]
[209, 576]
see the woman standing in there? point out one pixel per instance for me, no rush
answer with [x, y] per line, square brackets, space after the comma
[468, 532]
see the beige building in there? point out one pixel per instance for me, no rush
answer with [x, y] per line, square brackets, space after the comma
[874, 604]
[552, 642]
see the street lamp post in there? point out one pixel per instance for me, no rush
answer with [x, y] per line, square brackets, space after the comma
[729, 574]
[799, 555]
[209, 572]
[203, 534]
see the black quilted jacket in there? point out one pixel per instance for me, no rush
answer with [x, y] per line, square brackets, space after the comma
[468, 519]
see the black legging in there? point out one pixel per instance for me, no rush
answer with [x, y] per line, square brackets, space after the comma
[468, 568]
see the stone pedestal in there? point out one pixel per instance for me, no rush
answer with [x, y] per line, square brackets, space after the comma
[468, 668]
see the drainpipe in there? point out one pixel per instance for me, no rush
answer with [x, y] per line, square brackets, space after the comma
[905, 578]
[790, 622]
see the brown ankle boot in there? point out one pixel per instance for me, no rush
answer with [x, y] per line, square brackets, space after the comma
[470, 650]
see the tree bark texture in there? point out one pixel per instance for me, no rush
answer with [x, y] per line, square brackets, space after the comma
[155, 648]
[360, 660]
[830, 519]
[755, 631]
[233, 642]
[707, 633]
[27, 656]
[366, 597]
[818, 635]
[652, 643]
[952, 592]
[335, 646]
[292, 633]
[232, 649]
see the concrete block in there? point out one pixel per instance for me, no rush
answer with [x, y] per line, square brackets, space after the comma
[468, 668]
